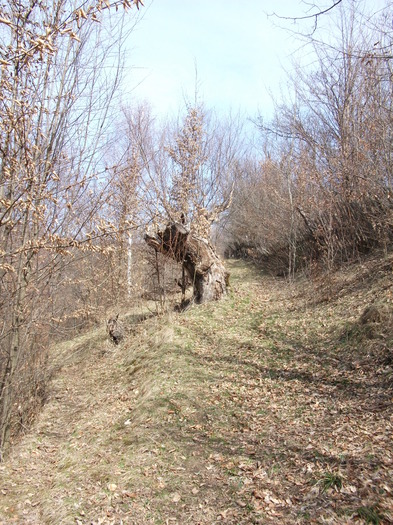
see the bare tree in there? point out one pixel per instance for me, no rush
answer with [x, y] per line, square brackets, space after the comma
[192, 183]
[314, 12]
[321, 190]
[55, 101]
[336, 126]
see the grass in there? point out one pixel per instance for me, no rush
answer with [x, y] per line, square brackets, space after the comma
[227, 412]
[370, 515]
[329, 481]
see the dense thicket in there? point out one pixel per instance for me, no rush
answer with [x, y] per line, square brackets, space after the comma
[323, 190]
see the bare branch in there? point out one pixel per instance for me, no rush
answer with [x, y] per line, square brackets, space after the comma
[307, 17]
[314, 16]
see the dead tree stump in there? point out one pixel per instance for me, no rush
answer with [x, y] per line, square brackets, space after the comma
[203, 266]
[115, 329]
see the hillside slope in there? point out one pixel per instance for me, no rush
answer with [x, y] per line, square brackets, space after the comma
[271, 406]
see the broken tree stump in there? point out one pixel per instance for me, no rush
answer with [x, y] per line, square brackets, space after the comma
[198, 257]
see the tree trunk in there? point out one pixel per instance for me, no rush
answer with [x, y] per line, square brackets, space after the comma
[202, 264]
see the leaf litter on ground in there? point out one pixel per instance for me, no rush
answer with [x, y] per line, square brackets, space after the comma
[271, 406]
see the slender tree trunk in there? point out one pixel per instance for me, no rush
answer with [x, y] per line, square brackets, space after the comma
[129, 264]
[7, 388]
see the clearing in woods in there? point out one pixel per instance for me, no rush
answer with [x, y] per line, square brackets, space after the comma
[273, 406]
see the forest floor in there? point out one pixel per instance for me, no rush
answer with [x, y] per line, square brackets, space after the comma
[272, 406]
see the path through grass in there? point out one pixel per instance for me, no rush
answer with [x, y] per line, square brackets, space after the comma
[272, 406]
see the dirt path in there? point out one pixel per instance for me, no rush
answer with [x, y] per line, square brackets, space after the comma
[271, 406]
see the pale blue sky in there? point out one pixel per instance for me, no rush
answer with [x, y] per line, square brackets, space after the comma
[237, 50]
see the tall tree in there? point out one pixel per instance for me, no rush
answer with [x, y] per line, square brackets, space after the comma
[55, 100]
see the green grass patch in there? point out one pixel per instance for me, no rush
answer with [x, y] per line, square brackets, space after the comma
[370, 515]
[330, 481]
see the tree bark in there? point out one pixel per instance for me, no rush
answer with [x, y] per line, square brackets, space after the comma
[206, 270]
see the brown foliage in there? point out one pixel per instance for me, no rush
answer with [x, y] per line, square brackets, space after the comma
[50, 200]
[323, 191]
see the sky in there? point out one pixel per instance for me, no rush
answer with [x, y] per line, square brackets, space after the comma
[230, 49]
[235, 52]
